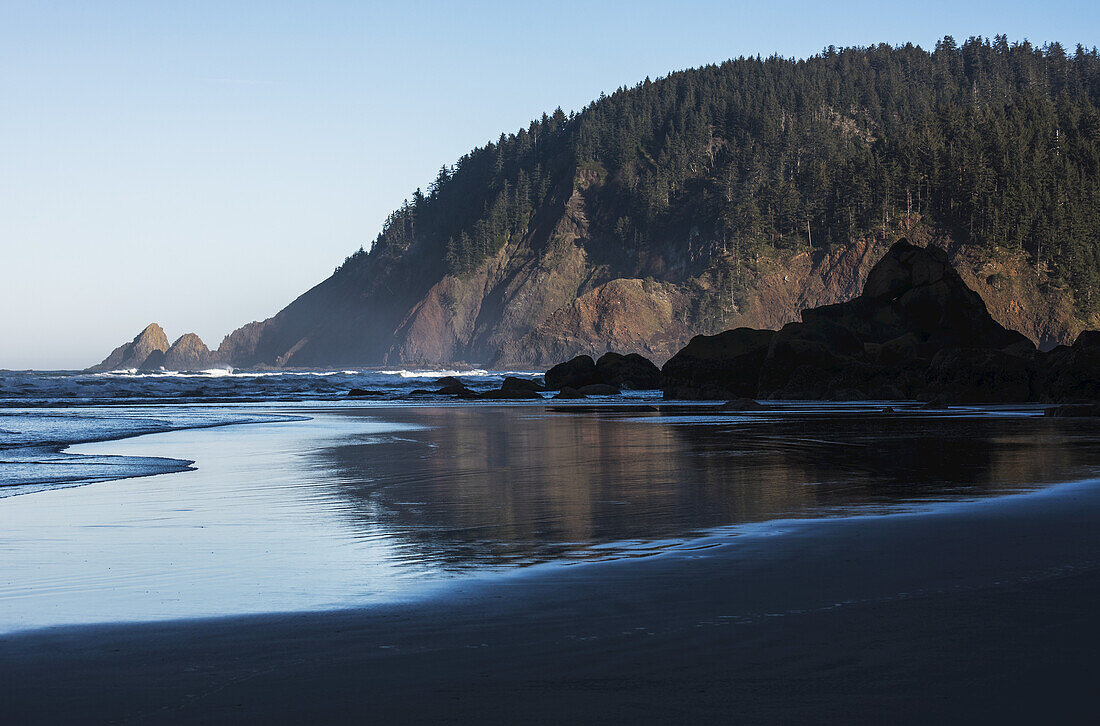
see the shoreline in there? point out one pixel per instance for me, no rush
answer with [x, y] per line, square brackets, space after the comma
[959, 613]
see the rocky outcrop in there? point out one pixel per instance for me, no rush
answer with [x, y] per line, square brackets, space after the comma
[188, 353]
[916, 331]
[611, 373]
[575, 373]
[239, 347]
[631, 371]
[136, 354]
[722, 366]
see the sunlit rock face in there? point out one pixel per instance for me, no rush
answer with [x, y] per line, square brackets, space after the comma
[136, 353]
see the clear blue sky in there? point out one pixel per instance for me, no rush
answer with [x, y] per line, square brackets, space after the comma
[200, 164]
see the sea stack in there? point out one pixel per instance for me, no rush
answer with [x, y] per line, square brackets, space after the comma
[188, 353]
[137, 353]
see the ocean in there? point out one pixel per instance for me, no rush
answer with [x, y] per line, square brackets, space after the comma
[130, 496]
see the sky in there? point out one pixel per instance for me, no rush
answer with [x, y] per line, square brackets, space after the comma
[201, 164]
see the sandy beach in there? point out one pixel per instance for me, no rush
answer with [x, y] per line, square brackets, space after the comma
[965, 611]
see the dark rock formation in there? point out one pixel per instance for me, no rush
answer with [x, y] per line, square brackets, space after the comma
[135, 353]
[916, 331]
[511, 383]
[569, 393]
[598, 389]
[628, 371]
[448, 381]
[575, 373]
[456, 389]
[720, 366]
[980, 375]
[1072, 373]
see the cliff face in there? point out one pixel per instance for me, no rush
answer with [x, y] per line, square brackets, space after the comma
[549, 297]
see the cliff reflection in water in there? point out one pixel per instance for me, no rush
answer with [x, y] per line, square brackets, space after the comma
[507, 485]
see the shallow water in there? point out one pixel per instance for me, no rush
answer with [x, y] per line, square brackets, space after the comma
[361, 505]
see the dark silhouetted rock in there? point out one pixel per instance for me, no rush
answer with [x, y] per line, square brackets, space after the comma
[722, 366]
[363, 393]
[511, 383]
[457, 389]
[581, 371]
[979, 375]
[599, 389]
[917, 330]
[448, 381]
[1072, 372]
[136, 352]
[569, 393]
[628, 371]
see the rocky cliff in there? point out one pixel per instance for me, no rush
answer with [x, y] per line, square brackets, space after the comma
[538, 302]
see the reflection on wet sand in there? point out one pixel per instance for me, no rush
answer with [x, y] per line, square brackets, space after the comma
[493, 486]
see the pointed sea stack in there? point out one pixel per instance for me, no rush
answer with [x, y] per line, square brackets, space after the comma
[188, 353]
[136, 354]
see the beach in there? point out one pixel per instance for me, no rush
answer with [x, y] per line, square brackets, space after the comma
[820, 594]
[977, 612]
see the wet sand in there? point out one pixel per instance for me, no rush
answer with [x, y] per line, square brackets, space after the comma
[981, 611]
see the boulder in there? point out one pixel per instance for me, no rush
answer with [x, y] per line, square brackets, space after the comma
[580, 371]
[448, 381]
[628, 371]
[456, 389]
[511, 383]
[363, 393]
[569, 393]
[722, 366]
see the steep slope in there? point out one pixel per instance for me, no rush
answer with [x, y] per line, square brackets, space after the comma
[725, 196]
